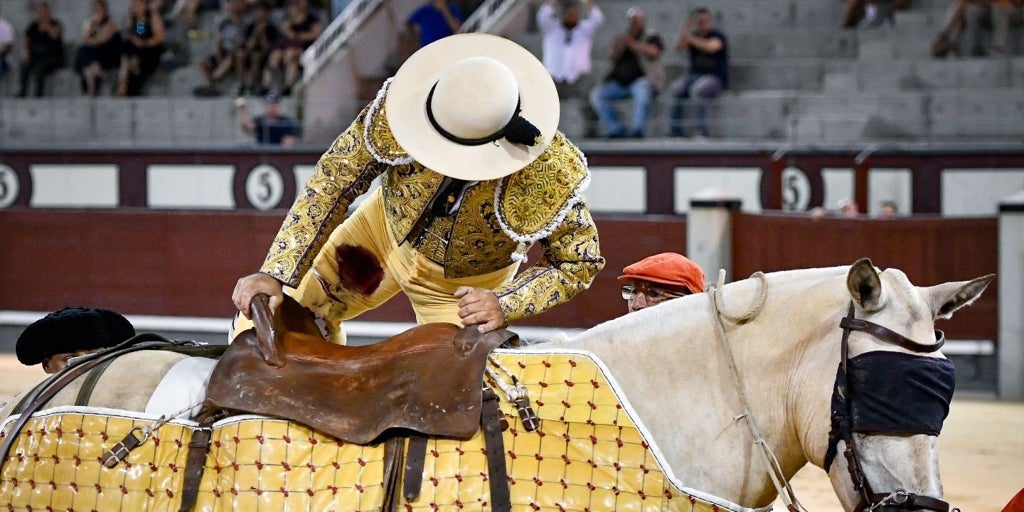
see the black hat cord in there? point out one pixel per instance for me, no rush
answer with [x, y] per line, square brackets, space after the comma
[518, 130]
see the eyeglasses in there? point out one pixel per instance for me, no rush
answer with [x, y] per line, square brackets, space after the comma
[651, 293]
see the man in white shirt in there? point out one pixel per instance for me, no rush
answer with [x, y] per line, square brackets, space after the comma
[567, 43]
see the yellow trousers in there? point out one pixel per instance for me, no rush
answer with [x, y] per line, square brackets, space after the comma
[405, 269]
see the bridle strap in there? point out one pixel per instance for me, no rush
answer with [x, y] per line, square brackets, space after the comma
[902, 499]
[870, 500]
[849, 323]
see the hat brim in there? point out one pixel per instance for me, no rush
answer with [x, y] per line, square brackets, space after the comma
[406, 109]
[688, 285]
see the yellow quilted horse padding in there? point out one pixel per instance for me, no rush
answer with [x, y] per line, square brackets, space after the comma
[588, 455]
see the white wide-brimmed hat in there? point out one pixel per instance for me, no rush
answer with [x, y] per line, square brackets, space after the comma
[473, 107]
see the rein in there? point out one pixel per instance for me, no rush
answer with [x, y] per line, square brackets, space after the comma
[900, 498]
[775, 472]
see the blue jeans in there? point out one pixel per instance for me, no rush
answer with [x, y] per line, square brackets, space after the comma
[701, 86]
[609, 91]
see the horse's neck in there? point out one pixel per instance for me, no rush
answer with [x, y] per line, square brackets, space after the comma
[676, 374]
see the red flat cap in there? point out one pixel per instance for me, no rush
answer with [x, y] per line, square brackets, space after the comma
[667, 268]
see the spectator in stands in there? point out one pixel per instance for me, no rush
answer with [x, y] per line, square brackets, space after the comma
[656, 279]
[70, 332]
[636, 73]
[873, 13]
[6, 45]
[567, 43]
[42, 50]
[708, 72]
[144, 43]
[100, 49]
[300, 29]
[887, 209]
[848, 208]
[260, 36]
[273, 127]
[435, 19]
[190, 9]
[966, 17]
[229, 51]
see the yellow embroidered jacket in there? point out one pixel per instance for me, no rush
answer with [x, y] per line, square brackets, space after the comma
[495, 225]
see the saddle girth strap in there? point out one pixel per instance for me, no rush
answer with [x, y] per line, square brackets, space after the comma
[85, 392]
[415, 456]
[196, 460]
[394, 455]
[497, 473]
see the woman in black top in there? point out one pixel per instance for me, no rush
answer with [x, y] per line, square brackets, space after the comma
[100, 49]
[142, 49]
[43, 49]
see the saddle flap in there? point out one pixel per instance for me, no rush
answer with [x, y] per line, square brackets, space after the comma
[427, 379]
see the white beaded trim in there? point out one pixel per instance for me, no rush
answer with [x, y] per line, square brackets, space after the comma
[526, 240]
[374, 108]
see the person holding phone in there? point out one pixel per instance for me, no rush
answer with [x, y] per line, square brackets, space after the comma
[708, 72]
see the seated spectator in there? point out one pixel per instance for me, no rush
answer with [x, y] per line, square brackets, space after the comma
[144, 43]
[300, 29]
[873, 13]
[70, 332]
[636, 73]
[260, 36]
[567, 43]
[659, 278]
[42, 50]
[100, 49]
[229, 52]
[708, 74]
[6, 45]
[435, 19]
[966, 17]
[274, 127]
[189, 9]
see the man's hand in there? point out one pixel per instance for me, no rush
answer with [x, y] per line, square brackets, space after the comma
[251, 285]
[478, 306]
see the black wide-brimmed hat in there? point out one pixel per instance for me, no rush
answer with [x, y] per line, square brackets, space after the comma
[70, 330]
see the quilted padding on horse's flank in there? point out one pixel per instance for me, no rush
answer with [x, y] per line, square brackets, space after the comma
[589, 454]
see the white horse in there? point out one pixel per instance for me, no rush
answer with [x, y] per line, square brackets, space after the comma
[678, 378]
[675, 372]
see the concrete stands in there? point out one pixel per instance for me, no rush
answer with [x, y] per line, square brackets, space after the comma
[796, 77]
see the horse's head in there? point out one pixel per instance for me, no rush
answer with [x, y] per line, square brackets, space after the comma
[893, 389]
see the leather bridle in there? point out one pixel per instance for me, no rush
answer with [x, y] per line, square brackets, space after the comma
[870, 500]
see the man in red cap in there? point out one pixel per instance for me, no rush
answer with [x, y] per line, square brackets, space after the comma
[659, 278]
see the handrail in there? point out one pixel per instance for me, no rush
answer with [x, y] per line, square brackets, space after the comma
[336, 35]
[486, 15]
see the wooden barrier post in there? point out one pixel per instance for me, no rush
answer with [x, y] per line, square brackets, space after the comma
[1010, 352]
[709, 231]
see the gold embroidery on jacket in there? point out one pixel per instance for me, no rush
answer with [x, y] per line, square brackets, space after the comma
[542, 202]
[343, 173]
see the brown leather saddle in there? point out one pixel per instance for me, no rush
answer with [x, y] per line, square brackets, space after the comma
[427, 379]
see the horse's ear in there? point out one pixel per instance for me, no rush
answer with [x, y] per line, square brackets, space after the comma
[946, 298]
[864, 285]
